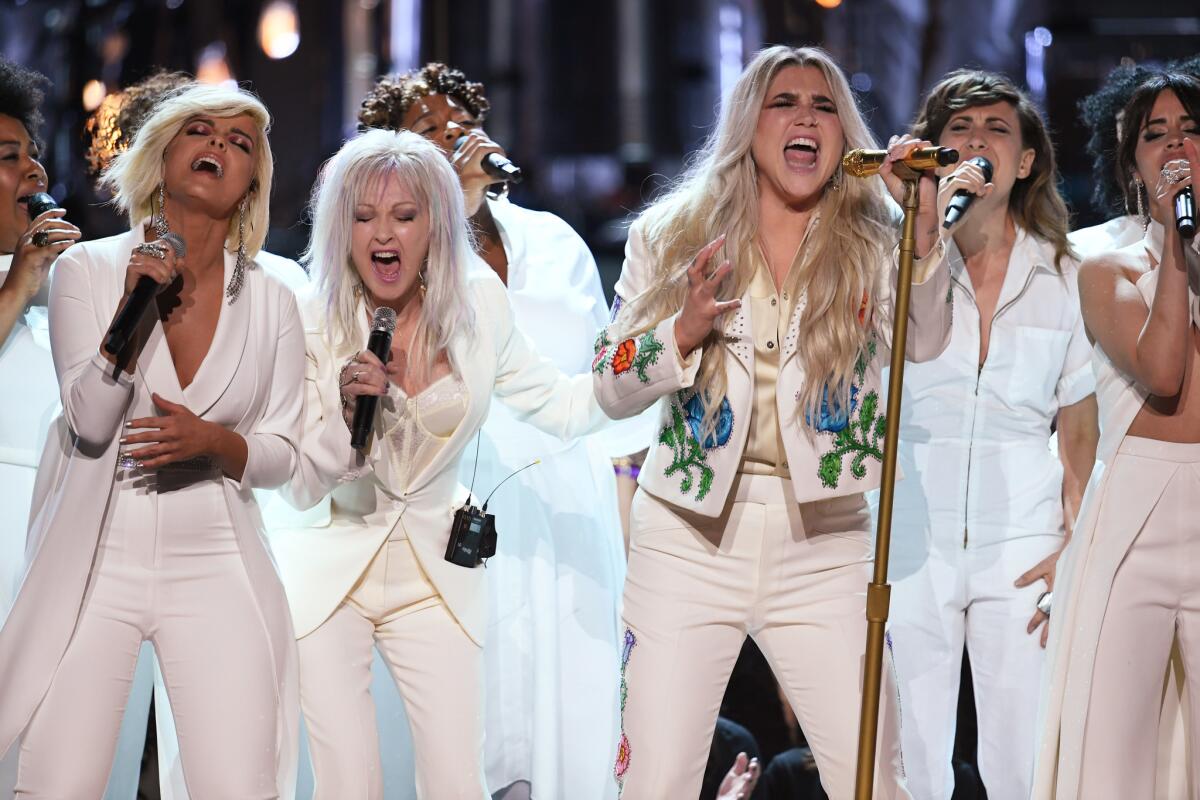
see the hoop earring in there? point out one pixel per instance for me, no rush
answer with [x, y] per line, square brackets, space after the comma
[239, 268]
[159, 220]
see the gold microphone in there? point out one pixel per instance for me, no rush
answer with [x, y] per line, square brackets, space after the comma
[864, 163]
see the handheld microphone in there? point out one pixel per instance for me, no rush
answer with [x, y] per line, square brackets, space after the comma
[39, 203]
[865, 163]
[497, 165]
[380, 344]
[962, 199]
[1185, 201]
[143, 293]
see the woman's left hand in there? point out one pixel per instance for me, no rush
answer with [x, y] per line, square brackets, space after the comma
[899, 148]
[1044, 570]
[178, 436]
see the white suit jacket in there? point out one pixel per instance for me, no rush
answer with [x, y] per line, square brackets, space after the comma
[845, 453]
[319, 564]
[260, 355]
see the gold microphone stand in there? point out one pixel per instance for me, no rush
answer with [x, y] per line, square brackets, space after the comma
[878, 591]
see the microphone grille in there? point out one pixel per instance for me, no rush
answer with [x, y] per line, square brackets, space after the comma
[177, 243]
[39, 203]
[385, 320]
[984, 165]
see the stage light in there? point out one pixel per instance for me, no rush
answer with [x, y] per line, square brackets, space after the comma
[279, 29]
[829, 3]
[212, 67]
[93, 95]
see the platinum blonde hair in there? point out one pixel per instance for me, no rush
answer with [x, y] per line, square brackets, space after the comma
[841, 267]
[344, 180]
[134, 175]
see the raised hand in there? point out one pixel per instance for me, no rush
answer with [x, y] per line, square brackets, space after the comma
[364, 374]
[701, 306]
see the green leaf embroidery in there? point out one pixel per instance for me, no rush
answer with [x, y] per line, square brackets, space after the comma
[602, 353]
[649, 348]
[860, 440]
[687, 455]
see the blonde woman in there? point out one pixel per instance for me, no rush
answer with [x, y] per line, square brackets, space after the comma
[750, 517]
[390, 231]
[144, 525]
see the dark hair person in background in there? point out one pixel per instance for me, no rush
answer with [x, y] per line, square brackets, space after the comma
[986, 506]
[1102, 113]
[551, 703]
[144, 524]
[28, 388]
[1128, 585]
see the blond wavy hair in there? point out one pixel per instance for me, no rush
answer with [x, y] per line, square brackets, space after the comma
[133, 176]
[344, 180]
[840, 268]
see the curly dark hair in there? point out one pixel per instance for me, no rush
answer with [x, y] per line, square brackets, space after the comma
[21, 95]
[1101, 112]
[391, 97]
[112, 126]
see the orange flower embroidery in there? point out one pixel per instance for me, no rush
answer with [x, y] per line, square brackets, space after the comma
[623, 358]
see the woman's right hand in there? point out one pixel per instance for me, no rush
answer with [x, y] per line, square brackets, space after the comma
[364, 374]
[467, 161]
[31, 262]
[966, 176]
[701, 306]
[1182, 172]
[160, 270]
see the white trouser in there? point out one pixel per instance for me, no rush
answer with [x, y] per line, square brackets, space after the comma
[437, 669]
[1155, 597]
[168, 570]
[792, 576]
[941, 597]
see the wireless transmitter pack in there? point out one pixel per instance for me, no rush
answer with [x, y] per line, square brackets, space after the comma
[473, 534]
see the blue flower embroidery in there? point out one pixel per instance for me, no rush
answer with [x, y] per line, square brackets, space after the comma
[694, 412]
[834, 418]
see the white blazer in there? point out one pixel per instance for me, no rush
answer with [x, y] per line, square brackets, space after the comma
[319, 564]
[843, 456]
[257, 352]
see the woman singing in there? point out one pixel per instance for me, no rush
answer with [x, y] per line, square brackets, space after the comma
[554, 586]
[981, 516]
[758, 303]
[144, 525]
[390, 231]
[1130, 582]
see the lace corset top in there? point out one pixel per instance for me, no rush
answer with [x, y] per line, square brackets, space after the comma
[416, 428]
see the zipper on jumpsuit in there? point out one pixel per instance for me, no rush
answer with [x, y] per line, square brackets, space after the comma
[978, 379]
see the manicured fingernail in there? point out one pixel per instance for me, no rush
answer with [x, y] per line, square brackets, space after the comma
[139, 464]
[122, 440]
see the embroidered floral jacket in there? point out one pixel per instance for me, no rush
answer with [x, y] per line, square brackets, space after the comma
[840, 454]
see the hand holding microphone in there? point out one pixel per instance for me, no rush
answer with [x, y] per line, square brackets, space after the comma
[1175, 182]
[152, 267]
[972, 179]
[364, 378]
[493, 163]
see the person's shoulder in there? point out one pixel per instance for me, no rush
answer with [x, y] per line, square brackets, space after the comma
[280, 270]
[1126, 263]
[1112, 234]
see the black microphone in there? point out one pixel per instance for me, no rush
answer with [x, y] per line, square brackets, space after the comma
[497, 165]
[143, 293]
[962, 198]
[379, 343]
[39, 203]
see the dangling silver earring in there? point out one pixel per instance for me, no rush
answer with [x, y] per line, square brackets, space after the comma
[835, 182]
[159, 220]
[239, 268]
[1139, 188]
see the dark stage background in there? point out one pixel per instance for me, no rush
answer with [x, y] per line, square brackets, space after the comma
[599, 101]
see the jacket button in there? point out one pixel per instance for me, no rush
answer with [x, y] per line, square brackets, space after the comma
[770, 345]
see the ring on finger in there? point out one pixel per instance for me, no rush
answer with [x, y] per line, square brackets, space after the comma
[1044, 602]
[151, 249]
[40, 239]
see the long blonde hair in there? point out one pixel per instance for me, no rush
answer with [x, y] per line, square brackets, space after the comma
[718, 193]
[134, 175]
[419, 165]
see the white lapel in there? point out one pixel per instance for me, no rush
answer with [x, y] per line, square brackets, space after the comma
[228, 346]
[739, 335]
